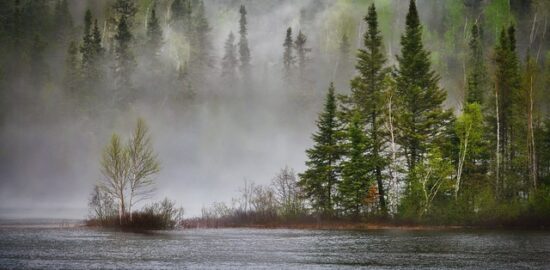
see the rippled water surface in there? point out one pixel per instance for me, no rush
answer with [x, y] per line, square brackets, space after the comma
[85, 248]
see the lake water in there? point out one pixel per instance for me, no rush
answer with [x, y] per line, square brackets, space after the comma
[85, 248]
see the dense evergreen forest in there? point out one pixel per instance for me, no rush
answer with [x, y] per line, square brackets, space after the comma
[436, 111]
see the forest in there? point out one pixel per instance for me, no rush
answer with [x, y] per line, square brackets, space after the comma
[406, 112]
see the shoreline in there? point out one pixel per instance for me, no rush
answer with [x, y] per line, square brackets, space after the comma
[360, 226]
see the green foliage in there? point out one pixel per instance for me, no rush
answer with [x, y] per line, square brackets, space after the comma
[320, 179]
[429, 182]
[496, 14]
[421, 118]
[367, 95]
[357, 169]
[477, 77]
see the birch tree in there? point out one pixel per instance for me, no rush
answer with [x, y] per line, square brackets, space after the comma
[115, 171]
[468, 128]
[143, 165]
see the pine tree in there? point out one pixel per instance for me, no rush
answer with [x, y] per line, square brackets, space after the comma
[86, 48]
[72, 72]
[320, 179]
[244, 51]
[507, 84]
[356, 169]
[368, 96]
[91, 51]
[473, 152]
[96, 41]
[124, 58]
[477, 77]
[229, 62]
[422, 118]
[301, 51]
[288, 57]
[154, 34]
[200, 57]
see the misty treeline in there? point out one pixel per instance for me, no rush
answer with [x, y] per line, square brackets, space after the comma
[488, 164]
[392, 142]
[391, 149]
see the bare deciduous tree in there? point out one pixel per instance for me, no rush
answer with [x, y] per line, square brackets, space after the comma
[287, 193]
[115, 169]
[143, 165]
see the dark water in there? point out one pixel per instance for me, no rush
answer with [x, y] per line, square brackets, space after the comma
[84, 248]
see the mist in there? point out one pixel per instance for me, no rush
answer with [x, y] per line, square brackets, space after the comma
[211, 137]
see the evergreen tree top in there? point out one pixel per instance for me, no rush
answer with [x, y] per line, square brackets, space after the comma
[288, 38]
[412, 20]
[87, 22]
[242, 21]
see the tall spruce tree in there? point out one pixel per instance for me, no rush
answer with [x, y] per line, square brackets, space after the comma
[154, 34]
[288, 55]
[356, 169]
[301, 51]
[368, 96]
[244, 51]
[86, 49]
[320, 179]
[477, 78]
[91, 51]
[229, 61]
[421, 119]
[473, 152]
[507, 84]
[124, 59]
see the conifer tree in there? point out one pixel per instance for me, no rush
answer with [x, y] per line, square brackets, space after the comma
[320, 179]
[301, 50]
[229, 62]
[368, 96]
[244, 51]
[288, 55]
[154, 34]
[96, 41]
[507, 84]
[356, 169]
[91, 51]
[86, 49]
[124, 58]
[200, 56]
[422, 118]
[477, 77]
[71, 79]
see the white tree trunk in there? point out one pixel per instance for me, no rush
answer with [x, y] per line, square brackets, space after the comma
[462, 158]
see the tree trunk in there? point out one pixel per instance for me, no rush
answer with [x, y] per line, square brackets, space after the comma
[497, 169]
